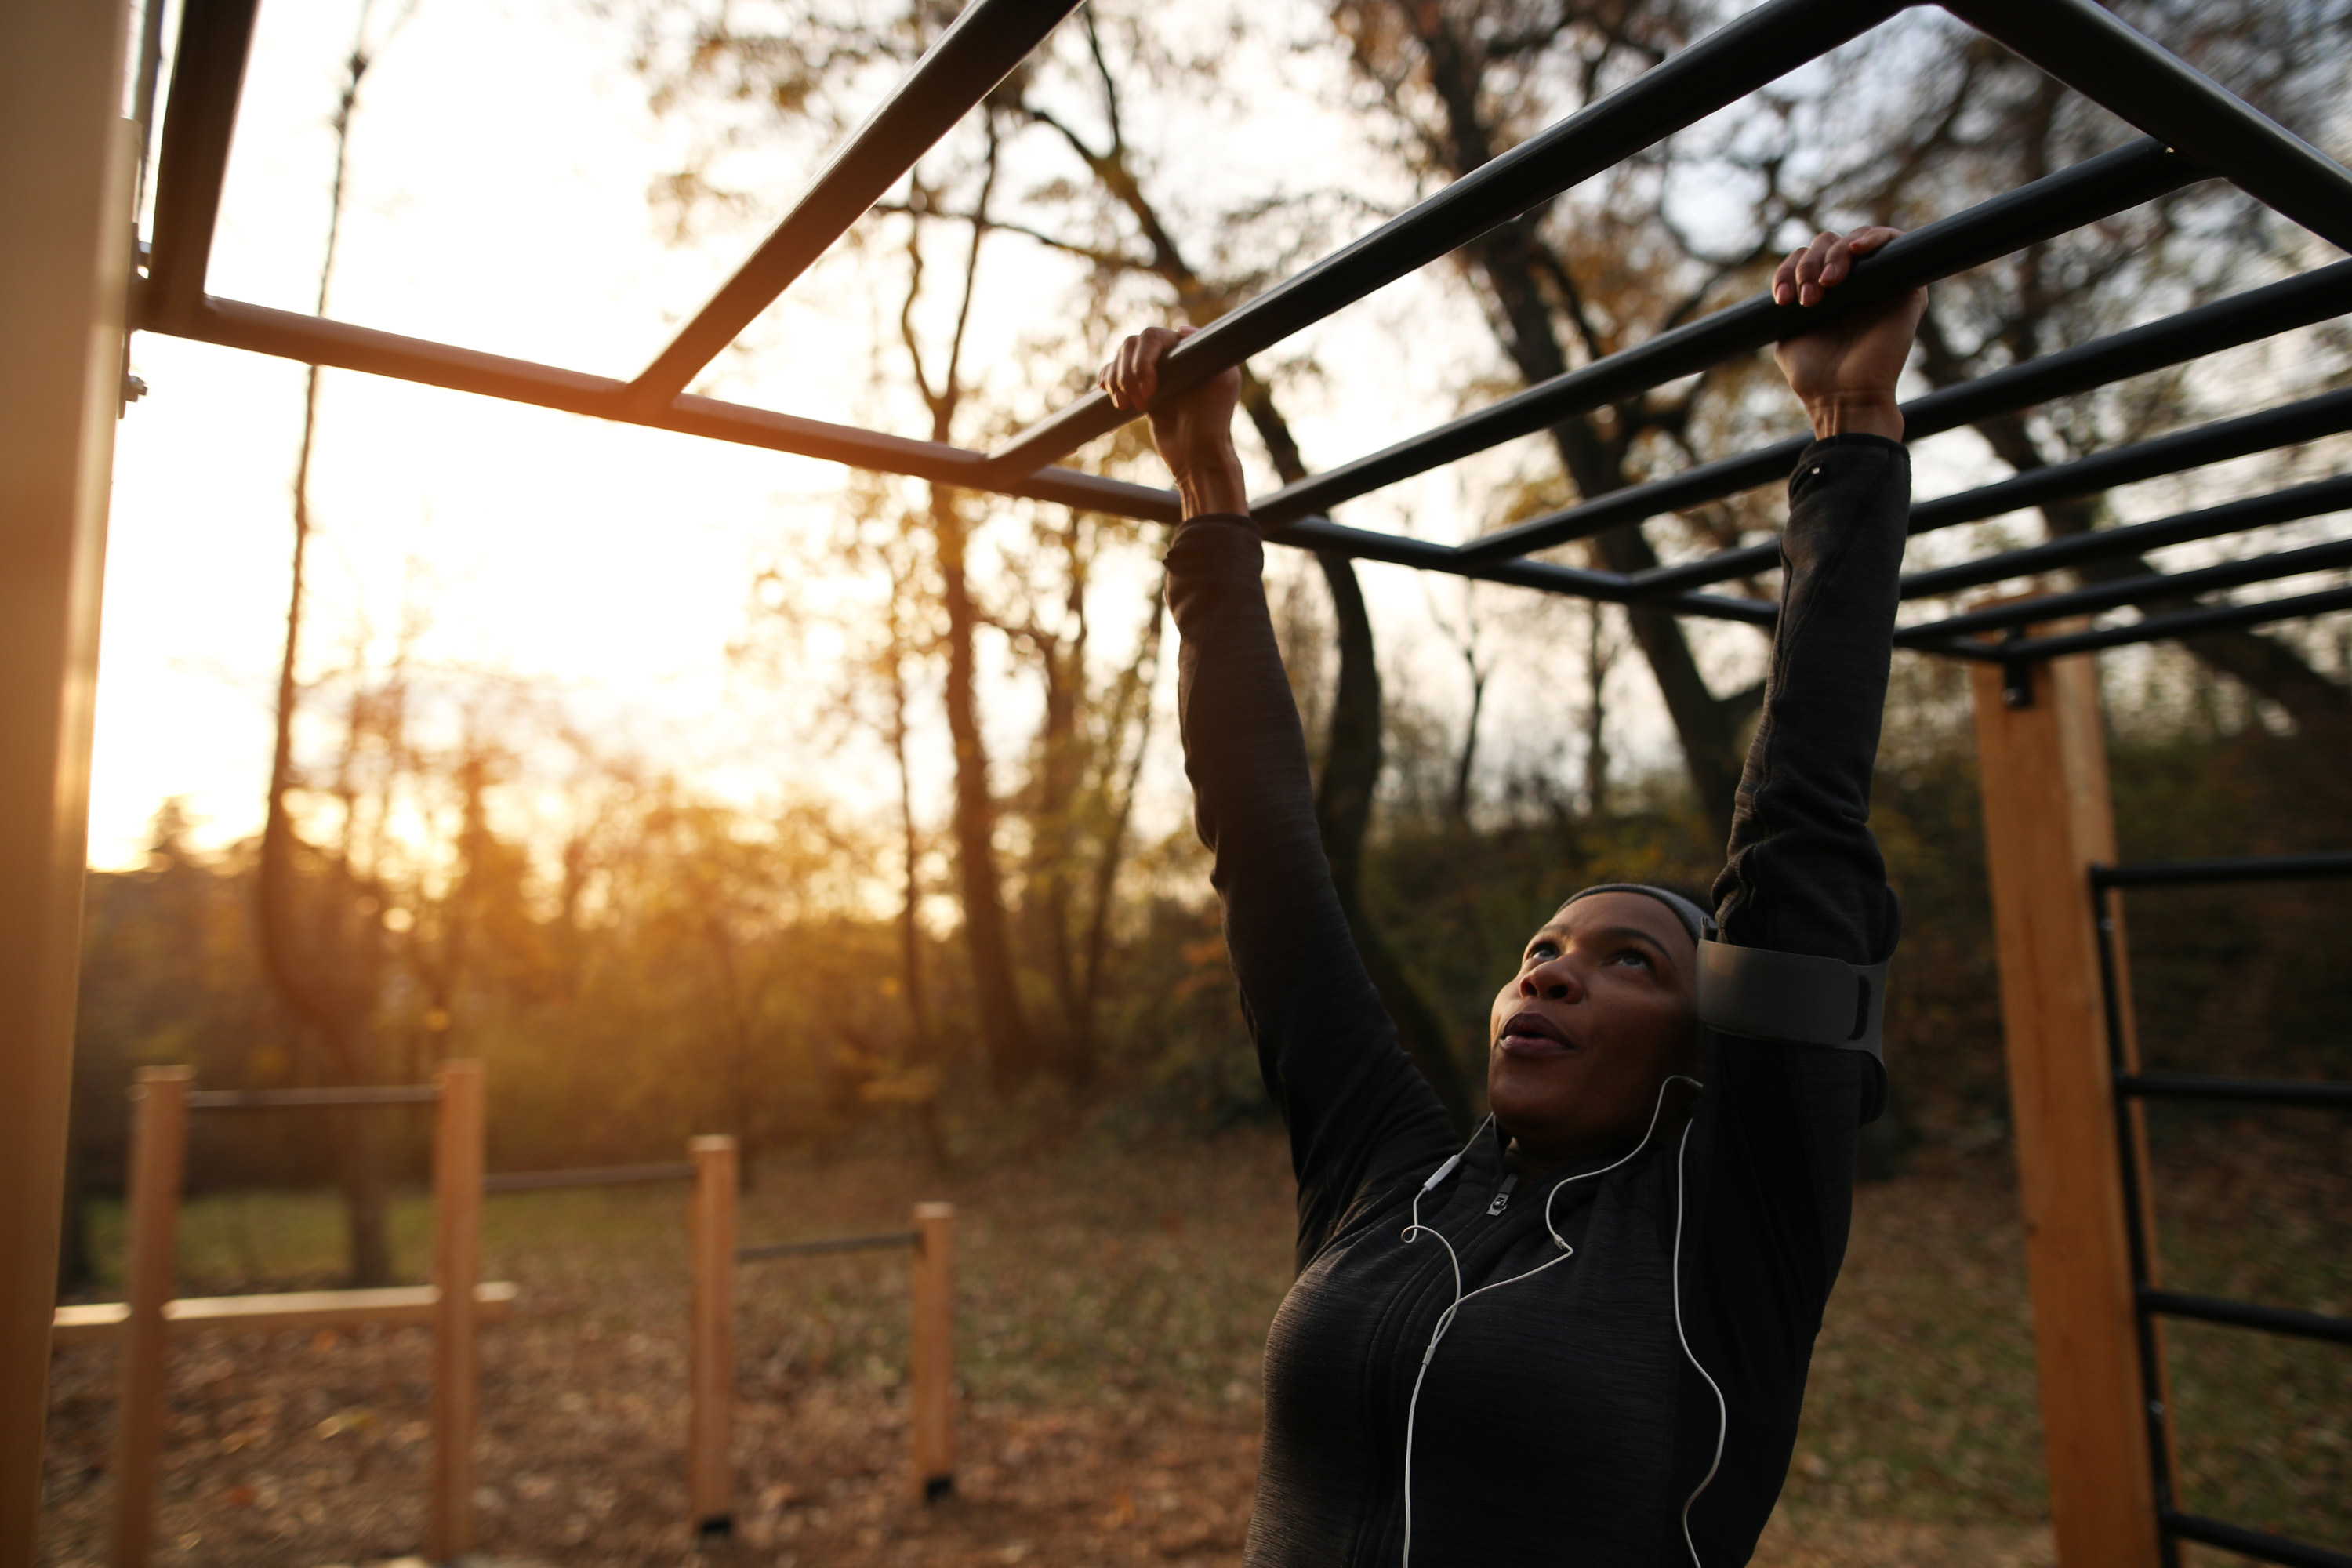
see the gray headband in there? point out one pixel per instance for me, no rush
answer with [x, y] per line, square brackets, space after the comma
[1695, 921]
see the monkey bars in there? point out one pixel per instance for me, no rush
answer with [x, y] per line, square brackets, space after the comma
[2195, 132]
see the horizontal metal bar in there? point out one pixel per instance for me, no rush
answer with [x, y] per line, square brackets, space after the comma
[199, 119]
[1745, 55]
[2141, 590]
[2087, 191]
[976, 52]
[311, 1098]
[2258, 313]
[2289, 1320]
[2309, 420]
[586, 1177]
[316, 340]
[2235, 868]
[2180, 624]
[753, 1254]
[2251, 1091]
[2099, 56]
[2289, 505]
[2259, 1544]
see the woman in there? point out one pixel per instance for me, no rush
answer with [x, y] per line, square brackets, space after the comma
[1583, 1337]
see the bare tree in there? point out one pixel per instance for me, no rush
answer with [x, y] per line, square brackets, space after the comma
[321, 914]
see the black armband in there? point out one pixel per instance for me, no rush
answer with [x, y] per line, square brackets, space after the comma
[1792, 998]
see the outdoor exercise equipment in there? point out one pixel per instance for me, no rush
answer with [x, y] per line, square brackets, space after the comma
[710, 1425]
[148, 1318]
[69, 165]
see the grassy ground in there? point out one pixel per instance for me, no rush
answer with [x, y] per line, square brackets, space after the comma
[1112, 1302]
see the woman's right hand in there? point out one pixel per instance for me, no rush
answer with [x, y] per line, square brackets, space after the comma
[1195, 432]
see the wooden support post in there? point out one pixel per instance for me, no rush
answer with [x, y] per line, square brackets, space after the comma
[65, 166]
[457, 1265]
[932, 1417]
[711, 1360]
[159, 1160]
[2048, 817]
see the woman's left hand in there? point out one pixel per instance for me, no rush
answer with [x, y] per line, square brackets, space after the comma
[1844, 372]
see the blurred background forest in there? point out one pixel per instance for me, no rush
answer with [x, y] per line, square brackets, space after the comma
[971, 916]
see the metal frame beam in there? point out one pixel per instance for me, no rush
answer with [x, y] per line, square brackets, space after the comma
[2267, 311]
[1735, 60]
[979, 50]
[2096, 188]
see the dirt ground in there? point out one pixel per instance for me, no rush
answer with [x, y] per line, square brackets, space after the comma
[1108, 1337]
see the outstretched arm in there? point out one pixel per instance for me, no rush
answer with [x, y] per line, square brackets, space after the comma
[1358, 1112]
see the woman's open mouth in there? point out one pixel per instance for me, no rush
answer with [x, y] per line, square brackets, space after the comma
[1532, 1035]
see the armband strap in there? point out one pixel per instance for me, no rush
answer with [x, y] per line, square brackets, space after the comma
[1767, 995]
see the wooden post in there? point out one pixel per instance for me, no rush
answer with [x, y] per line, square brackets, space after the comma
[66, 189]
[932, 1417]
[2048, 816]
[711, 1360]
[457, 1265]
[159, 1159]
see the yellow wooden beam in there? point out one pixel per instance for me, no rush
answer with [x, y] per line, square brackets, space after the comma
[400, 1306]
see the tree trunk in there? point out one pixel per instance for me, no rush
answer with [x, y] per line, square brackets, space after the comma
[1004, 1028]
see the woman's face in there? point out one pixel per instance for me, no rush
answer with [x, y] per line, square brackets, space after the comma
[1602, 1009]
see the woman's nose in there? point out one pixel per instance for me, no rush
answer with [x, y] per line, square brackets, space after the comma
[1549, 982]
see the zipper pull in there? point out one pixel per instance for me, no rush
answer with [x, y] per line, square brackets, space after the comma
[1503, 1195]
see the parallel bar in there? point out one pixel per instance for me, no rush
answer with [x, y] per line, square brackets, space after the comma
[208, 76]
[2140, 590]
[2090, 190]
[312, 1098]
[2236, 869]
[2088, 48]
[159, 1161]
[2248, 1091]
[758, 1250]
[2186, 622]
[318, 341]
[1735, 60]
[2250, 1315]
[2306, 420]
[2244, 318]
[2259, 1544]
[586, 1177]
[969, 58]
[397, 1306]
[2289, 505]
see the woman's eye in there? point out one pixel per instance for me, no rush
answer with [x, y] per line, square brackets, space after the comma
[1543, 952]
[1631, 955]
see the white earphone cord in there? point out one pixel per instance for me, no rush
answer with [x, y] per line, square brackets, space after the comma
[1445, 1319]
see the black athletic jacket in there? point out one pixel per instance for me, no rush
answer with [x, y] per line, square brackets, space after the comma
[1560, 1422]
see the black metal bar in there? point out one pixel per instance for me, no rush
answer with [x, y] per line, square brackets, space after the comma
[2139, 1245]
[759, 1250]
[586, 1177]
[2141, 590]
[208, 76]
[312, 1098]
[2232, 517]
[2259, 1544]
[316, 340]
[2068, 199]
[1747, 53]
[969, 58]
[2290, 1320]
[2245, 1090]
[2245, 318]
[2288, 425]
[142, 92]
[2091, 50]
[2182, 623]
[2236, 869]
